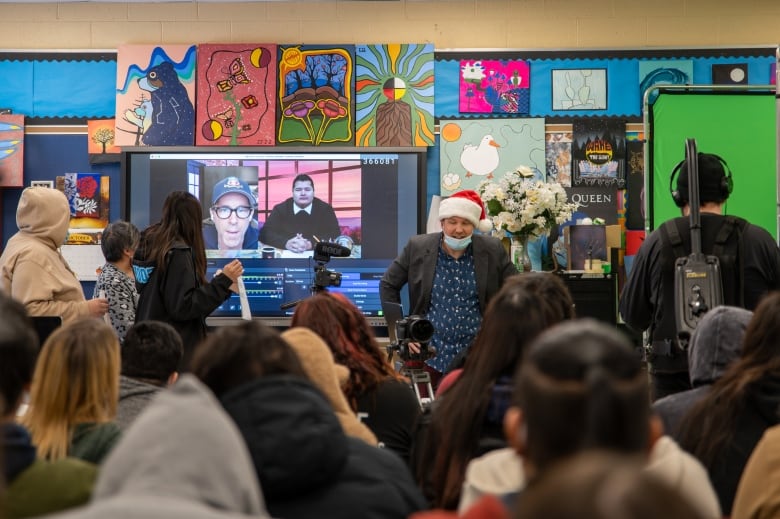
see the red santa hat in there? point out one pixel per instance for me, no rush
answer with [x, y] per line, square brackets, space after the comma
[466, 204]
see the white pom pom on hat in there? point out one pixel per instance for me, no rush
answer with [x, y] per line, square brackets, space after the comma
[466, 204]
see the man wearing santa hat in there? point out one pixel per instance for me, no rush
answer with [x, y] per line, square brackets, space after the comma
[451, 276]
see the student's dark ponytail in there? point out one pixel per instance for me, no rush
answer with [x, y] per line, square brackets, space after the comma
[582, 387]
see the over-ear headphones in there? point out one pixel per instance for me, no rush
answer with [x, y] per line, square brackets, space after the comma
[724, 188]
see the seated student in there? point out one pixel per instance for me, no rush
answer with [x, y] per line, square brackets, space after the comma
[722, 429]
[439, 456]
[231, 226]
[183, 458]
[715, 344]
[33, 486]
[150, 355]
[116, 281]
[603, 485]
[74, 393]
[384, 399]
[306, 465]
[317, 361]
[569, 399]
[758, 493]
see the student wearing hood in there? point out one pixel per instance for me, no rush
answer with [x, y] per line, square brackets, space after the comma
[182, 458]
[716, 343]
[33, 271]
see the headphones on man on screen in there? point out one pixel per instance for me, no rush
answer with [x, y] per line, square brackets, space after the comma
[725, 187]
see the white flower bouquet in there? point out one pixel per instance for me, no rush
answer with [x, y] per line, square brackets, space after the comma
[525, 207]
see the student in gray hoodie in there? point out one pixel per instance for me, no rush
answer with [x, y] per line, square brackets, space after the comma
[183, 458]
[716, 343]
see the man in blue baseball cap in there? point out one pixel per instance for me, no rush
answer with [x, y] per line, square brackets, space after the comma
[231, 227]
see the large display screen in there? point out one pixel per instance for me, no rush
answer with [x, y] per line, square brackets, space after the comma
[271, 206]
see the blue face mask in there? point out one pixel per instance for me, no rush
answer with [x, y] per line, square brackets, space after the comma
[457, 244]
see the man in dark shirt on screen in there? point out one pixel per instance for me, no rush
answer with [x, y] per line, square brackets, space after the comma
[300, 221]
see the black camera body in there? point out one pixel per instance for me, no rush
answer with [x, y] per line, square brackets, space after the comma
[413, 328]
[324, 278]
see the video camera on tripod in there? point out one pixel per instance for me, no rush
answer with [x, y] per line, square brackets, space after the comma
[404, 331]
[408, 330]
[323, 278]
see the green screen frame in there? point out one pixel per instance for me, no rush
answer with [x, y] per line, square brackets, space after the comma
[741, 127]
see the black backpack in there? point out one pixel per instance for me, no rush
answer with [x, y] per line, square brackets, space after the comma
[727, 252]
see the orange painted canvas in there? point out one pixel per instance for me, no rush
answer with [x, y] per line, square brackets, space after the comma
[100, 142]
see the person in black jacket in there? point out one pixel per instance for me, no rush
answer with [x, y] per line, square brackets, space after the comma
[306, 464]
[749, 262]
[176, 290]
[300, 221]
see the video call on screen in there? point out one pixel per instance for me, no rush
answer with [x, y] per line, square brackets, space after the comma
[375, 197]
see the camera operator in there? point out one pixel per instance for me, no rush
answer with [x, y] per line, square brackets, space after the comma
[412, 337]
[451, 276]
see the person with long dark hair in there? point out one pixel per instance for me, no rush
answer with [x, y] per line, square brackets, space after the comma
[374, 390]
[177, 291]
[723, 428]
[467, 420]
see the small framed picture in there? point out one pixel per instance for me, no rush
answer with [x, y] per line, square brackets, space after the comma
[42, 183]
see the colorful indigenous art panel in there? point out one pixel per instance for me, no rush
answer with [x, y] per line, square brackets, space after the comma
[236, 102]
[316, 104]
[497, 87]
[155, 90]
[394, 95]
[11, 150]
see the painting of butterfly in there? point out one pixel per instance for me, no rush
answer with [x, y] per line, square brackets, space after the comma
[11, 150]
[236, 105]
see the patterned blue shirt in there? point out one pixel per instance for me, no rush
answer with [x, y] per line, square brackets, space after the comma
[454, 310]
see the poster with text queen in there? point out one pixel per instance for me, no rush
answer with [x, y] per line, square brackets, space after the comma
[492, 86]
[155, 95]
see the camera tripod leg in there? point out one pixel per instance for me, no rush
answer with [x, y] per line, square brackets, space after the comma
[421, 379]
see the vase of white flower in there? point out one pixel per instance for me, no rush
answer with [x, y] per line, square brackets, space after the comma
[519, 253]
[524, 208]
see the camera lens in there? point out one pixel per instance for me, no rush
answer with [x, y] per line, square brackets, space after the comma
[420, 330]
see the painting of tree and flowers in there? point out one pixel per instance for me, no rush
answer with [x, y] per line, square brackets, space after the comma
[316, 104]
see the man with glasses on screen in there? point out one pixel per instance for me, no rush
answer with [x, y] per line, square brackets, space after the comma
[231, 227]
[300, 221]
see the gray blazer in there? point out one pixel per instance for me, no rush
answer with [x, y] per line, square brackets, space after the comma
[416, 266]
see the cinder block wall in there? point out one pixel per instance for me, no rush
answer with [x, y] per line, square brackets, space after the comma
[515, 24]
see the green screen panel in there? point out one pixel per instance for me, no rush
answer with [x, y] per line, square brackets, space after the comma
[740, 127]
